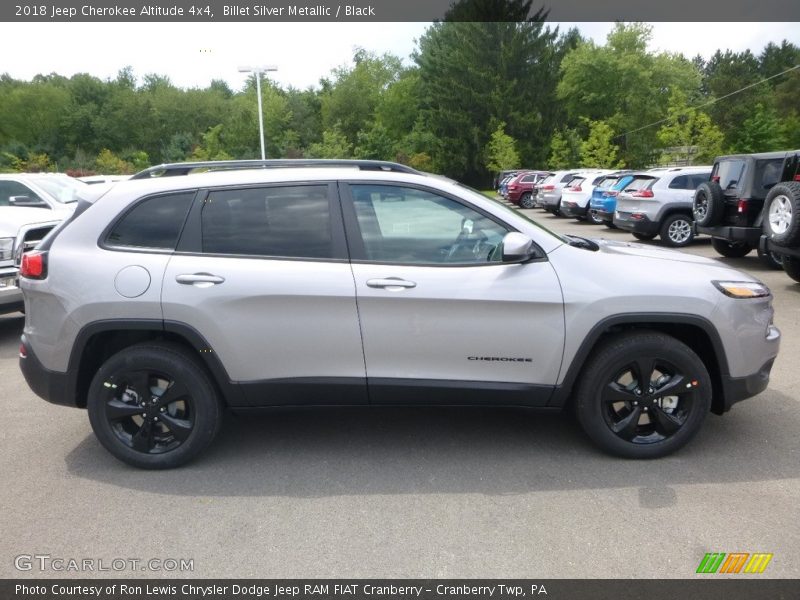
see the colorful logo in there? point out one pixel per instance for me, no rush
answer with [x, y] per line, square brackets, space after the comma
[735, 562]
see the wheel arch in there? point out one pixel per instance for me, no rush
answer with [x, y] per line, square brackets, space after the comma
[696, 332]
[99, 340]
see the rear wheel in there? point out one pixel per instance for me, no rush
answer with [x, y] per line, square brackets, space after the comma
[152, 406]
[791, 266]
[644, 394]
[594, 218]
[526, 200]
[709, 204]
[731, 249]
[609, 224]
[676, 231]
[782, 214]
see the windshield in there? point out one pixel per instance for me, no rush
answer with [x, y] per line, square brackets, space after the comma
[62, 189]
[513, 212]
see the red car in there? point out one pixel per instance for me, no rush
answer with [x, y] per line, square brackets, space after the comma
[521, 188]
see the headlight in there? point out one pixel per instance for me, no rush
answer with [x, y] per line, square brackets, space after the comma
[6, 248]
[742, 289]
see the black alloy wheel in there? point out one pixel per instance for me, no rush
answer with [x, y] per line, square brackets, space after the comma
[153, 406]
[644, 394]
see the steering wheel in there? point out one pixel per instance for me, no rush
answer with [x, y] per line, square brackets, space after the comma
[473, 248]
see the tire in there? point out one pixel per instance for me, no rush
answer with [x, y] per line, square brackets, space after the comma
[771, 259]
[676, 231]
[609, 224]
[791, 266]
[557, 209]
[526, 201]
[139, 428]
[708, 206]
[782, 214]
[611, 411]
[731, 249]
[594, 219]
[645, 237]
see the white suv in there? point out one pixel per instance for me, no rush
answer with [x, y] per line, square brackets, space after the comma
[368, 283]
[660, 203]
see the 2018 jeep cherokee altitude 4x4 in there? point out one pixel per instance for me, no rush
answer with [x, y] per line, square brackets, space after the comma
[171, 298]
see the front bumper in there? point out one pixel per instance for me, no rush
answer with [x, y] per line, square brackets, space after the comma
[736, 389]
[644, 225]
[50, 385]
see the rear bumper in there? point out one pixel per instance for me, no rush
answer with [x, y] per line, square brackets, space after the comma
[601, 214]
[643, 225]
[49, 385]
[765, 245]
[750, 235]
[573, 210]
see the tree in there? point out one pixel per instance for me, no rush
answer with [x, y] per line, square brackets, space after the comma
[501, 153]
[473, 75]
[688, 136]
[565, 149]
[109, 163]
[211, 148]
[760, 132]
[334, 144]
[598, 151]
[626, 86]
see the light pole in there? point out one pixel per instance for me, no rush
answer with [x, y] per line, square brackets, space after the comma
[257, 71]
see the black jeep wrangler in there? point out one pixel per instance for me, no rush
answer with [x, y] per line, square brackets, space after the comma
[753, 201]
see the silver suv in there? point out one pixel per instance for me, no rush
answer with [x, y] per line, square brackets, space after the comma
[660, 203]
[367, 283]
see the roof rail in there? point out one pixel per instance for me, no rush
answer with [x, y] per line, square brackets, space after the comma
[184, 168]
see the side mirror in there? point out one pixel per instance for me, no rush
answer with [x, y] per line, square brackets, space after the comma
[27, 201]
[517, 247]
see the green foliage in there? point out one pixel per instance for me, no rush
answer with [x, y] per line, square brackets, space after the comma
[334, 144]
[760, 132]
[565, 149]
[375, 143]
[626, 86]
[598, 150]
[109, 163]
[688, 136]
[211, 146]
[501, 153]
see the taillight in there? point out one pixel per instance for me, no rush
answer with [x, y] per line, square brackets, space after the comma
[642, 194]
[575, 189]
[715, 179]
[34, 265]
[610, 194]
[797, 177]
[23, 352]
[742, 206]
[548, 188]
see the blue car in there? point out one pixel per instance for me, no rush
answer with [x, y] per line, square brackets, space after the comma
[604, 198]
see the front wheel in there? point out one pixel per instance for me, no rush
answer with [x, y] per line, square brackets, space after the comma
[643, 394]
[731, 249]
[152, 406]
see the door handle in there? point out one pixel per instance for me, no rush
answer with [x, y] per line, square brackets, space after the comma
[199, 279]
[391, 282]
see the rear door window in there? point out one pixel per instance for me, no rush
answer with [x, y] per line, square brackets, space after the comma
[728, 173]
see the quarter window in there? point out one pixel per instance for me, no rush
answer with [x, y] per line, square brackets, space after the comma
[153, 223]
[411, 226]
[288, 221]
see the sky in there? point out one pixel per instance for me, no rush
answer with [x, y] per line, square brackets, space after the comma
[192, 54]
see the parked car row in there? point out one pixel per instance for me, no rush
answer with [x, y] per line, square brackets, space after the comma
[31, 205]
[649, 203]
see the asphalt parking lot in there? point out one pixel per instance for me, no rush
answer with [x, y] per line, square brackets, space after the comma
[412, 492]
